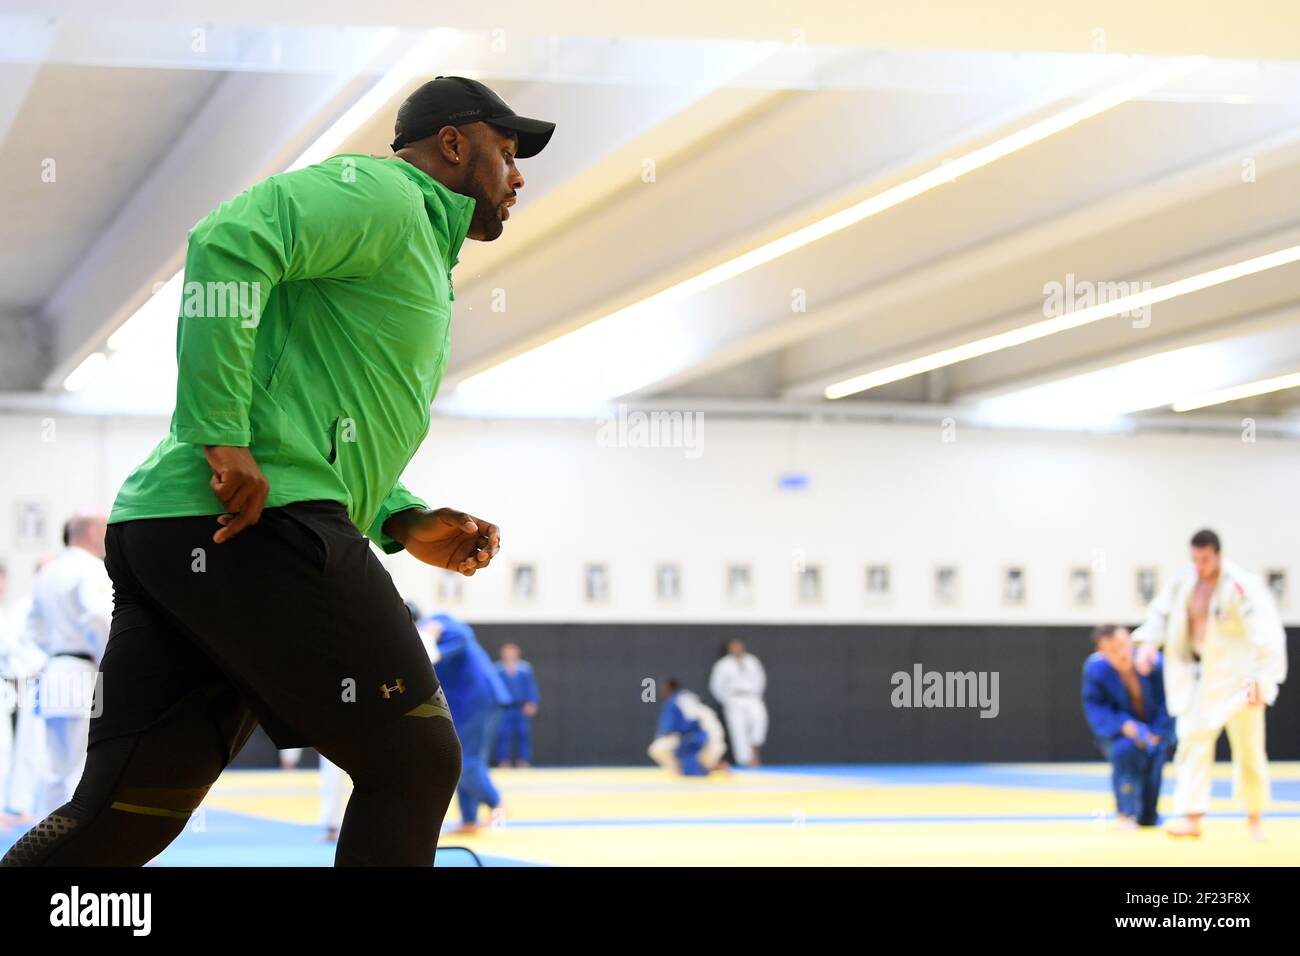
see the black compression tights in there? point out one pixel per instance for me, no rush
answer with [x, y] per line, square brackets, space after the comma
[138, 791]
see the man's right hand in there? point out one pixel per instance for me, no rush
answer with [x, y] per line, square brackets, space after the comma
[239, 485]
[1145, 658]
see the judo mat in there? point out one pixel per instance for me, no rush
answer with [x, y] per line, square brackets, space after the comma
[895, 815]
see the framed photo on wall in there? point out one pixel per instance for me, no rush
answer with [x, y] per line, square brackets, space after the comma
[946, 584]
[740, 584]
[31, 524]
[878, 582]
[668, 583]
[523, 584]
[810, 584]
[1081, 587]
[596, 583]
[1013, 585]
[1146, 581]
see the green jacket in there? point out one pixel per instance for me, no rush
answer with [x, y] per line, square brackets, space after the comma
[314, 329]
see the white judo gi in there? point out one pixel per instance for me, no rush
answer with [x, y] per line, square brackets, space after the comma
[10, 632]
[1244, 641]
[21, 661]
[72, 605]
[738, 683]
[8, 700]
[335, 791]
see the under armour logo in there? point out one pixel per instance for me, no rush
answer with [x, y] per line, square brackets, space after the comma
[388, 691]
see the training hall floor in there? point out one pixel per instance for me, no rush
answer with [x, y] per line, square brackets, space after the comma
[969, 814]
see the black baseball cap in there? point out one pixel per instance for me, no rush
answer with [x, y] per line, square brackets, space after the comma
[454, 101]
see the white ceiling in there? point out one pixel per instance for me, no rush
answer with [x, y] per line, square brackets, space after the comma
[92, 122]
[751, 135]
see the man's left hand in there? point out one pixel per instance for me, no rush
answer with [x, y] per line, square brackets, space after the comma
[446, 538]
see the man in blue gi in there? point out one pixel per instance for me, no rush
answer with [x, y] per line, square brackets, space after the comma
[515, 737]
[689, 738]
[476, 698]
[1134, 731]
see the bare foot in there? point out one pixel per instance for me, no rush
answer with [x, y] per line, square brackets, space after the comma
[1257, 830]
[466, 829]
[1125, 823]
[1184, 827]
[331, 835]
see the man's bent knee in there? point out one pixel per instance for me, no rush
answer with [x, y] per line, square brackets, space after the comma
[418, 752]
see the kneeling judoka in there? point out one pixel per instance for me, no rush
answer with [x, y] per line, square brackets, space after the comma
[689, 738]
[1134, 731]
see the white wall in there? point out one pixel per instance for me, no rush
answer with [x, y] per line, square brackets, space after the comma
[894, 494]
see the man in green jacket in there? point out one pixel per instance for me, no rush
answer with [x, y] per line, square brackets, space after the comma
[314, 331]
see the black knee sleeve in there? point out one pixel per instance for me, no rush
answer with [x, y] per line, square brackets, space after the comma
[412, 754]
[441, 757]
[404, 776]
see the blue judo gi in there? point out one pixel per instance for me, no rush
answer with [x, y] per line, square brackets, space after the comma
[476, 698]
[515, 736]
[1135, 771]
[693, 736]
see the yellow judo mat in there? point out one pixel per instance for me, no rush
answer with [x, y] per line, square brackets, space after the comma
[976, 815]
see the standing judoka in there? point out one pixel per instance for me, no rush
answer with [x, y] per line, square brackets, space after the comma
[1225, 655]
[476, 698]
[515, 735]
[1134, 731]
[737, 683]
[8, 698]
[21, 662]
[72, 605]
[689, 737]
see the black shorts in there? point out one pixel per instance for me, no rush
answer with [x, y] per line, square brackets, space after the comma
[296, 612]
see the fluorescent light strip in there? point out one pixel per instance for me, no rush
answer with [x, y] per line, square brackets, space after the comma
[537, 365]
[1071, 320]
[1109, 393]
[84, 372]
[1249, 390]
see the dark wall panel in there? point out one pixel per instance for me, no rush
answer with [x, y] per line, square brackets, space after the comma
[829, 691]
